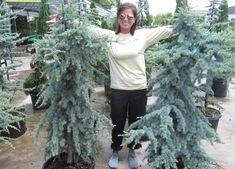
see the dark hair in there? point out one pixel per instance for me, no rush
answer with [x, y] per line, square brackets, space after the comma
[123, 6]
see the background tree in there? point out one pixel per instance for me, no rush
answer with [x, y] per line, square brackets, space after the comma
[105, 3]
[227, 55]
[118, 2]
[181, 4]
[98, 19]
[213, 11]
[223, 11]
[144, 17]
[174, 124]
[94, 17]
[163, 19]
[44, 15]
[220, 25]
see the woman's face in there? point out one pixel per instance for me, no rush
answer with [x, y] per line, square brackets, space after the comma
[125, 20]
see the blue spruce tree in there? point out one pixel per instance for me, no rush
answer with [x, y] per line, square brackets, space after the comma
[8, 41]
[73, 126]
[174, 124]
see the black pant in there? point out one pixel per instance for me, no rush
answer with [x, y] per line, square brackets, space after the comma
[125, 104]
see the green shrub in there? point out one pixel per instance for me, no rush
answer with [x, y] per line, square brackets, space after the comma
[34, 82]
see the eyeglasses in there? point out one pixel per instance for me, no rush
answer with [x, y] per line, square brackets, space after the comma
[123, 16]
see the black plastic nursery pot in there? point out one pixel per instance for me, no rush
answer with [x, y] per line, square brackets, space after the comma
[59, 162]
[220, 87]
[19, 130]
[213, 117]
[36, 106]
[179, 164]
[15, 133]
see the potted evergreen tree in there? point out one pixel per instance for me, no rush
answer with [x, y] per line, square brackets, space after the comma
[217, 44]
[221, 38]
[12, 118]
[218, 22]
[174, 124]
[8, 41]
[34, 82]
[223, 77]
[73, 127]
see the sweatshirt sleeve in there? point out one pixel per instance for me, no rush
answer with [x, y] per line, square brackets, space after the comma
[153, 35]
[101, 32]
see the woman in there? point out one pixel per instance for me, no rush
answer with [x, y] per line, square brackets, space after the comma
[128, 75]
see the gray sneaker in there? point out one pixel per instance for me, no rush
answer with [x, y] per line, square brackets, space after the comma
[132, 160]
[113, 161]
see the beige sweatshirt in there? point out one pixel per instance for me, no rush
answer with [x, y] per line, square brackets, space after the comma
[126, 55]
